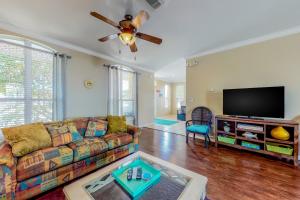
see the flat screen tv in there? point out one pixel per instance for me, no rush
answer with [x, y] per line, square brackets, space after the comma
[254, 102]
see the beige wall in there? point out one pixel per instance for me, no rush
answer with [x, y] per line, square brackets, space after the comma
[93, 102]
[146, 98]
[271, 63]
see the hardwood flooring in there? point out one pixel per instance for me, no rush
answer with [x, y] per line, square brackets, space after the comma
[231, 174]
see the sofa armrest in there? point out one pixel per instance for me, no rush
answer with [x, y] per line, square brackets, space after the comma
[7, 172]
[135, 132]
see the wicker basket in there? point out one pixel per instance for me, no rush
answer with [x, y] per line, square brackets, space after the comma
[228, 140]
[250, 145]
[280, 148]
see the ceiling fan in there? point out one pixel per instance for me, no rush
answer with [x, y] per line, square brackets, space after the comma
[128, 28]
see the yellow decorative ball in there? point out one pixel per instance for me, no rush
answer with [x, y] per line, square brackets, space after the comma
[280, 133]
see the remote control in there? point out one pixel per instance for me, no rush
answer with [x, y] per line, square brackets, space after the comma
[139, 173]
[134, 173]
[129, 174]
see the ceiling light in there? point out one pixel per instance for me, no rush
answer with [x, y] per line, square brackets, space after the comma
[127, 38]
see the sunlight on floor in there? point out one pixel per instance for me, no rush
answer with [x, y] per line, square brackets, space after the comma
[178, 128]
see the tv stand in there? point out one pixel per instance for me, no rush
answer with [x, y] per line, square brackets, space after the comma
[236, 129]
[244, 117]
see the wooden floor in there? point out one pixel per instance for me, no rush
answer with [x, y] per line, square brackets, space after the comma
[231, 174]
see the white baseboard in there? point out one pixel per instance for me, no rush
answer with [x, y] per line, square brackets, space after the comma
[144, 125]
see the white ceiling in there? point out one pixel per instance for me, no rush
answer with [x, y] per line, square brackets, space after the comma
[186, 26]
[173, 72]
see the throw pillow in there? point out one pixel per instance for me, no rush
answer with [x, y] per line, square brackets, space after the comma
[96, 128]
[63, 133]
[27, 138]
[116, 124]
[80, 123]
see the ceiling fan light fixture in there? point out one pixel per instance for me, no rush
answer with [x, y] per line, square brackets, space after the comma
[127, 38]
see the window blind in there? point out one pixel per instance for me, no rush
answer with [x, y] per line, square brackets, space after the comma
[26, 84]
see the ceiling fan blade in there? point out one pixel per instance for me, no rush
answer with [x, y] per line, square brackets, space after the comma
[140, 19]
[149, 38]
[109, 37]
[98, 16]
[133, 47]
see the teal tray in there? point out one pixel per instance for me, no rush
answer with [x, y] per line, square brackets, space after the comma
[136, 188]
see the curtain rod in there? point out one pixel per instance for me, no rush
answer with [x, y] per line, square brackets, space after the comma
[61, 55]
[120, 68]
[35, 49]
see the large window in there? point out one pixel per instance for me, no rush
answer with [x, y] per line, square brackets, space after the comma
[167, 96]
[128, 94]
[122, 93]
[180, 95]
[26, 82]
[128, 97]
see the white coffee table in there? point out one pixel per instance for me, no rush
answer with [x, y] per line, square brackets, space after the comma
[195, 189]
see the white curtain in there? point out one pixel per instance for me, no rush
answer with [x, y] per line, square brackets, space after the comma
[114, 107]
[60, 63]
[123, 93]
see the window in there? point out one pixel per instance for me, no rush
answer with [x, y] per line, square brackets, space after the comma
[167, 96]
[122, 93]
[26, 82]
[128, 94]
[180, 97]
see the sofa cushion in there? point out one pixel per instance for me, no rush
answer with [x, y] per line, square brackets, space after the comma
[117, 139]
[27, 138]
[63, 133]
[98, 118]
[88, 147]
[116, 124]
[41, 183]
[96, 128]
[80, 123]
[42, 161]
[33, 186]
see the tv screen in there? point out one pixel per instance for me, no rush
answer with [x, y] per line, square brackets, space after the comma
[256, 102]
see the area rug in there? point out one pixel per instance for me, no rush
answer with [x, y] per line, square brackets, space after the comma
[56, 194]
[165, 122]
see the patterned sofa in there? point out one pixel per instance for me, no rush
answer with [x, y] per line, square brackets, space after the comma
[42, 170]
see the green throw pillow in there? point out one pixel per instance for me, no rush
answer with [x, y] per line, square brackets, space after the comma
[27, 138]
[116, 124]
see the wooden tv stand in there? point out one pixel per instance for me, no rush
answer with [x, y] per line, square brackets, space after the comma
[263, 135]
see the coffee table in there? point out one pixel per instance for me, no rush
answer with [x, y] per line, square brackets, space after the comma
[175, 183]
